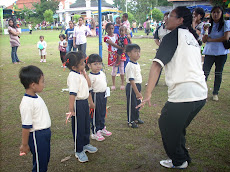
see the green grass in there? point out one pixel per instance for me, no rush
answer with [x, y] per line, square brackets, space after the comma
[208, 136]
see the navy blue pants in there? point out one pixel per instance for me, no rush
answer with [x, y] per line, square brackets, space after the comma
[219, 66]
[39, 143]
[81, 125]
[174, 119]
[132, 102]
[100, 111]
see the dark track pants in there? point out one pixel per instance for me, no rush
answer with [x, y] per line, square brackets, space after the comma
[132, 102]
[100, 111]
[174, 119]
[39, 143]
[81, 125]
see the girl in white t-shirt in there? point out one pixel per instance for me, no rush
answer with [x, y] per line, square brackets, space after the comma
[41, 45]
[62, 48]
[98, 93]
[79, 83]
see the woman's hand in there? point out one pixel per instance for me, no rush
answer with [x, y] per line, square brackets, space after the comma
[146, 100]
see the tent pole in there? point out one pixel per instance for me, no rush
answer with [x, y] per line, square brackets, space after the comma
[100, 27]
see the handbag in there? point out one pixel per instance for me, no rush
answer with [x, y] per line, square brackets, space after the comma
[227, 44]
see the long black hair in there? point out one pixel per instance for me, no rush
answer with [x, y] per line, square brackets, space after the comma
[221, 21]
[14, 23]
[185, 13]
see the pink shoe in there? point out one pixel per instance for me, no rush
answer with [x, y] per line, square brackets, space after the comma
[122, 87]
[98, 136]
[104, 132]
[44, 60]
[113, 88]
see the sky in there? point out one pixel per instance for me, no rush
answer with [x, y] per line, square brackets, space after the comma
[9, 2]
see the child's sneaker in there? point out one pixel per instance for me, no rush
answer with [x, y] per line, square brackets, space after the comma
[133, 125]
[139, 121]
[44, 60]
[104, 132]
[122, 87]
[98, 136]
[82, 157]
[168, 164]
[89, 148]
[41, 60]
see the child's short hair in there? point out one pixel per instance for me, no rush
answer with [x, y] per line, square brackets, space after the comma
[30, 74]
[62, 35]
[125, 15]
[130, 47]
[91, 59]
[73, 58]
[41, 37]
[107, 26]
[122, 27]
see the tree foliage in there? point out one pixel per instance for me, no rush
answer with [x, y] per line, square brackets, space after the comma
[48, 15]
[76, 17]
[156, 14]
[140, 8]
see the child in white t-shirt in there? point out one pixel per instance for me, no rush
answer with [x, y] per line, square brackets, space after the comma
[35, 118]
[133, 87]
[62, 48]
[98, 93]
[41, 45]
[79, 83]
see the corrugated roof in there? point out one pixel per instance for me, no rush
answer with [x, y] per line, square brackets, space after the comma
[94, 3]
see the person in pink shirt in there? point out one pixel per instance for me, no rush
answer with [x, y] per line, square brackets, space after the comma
[14, 41]
[126, 21]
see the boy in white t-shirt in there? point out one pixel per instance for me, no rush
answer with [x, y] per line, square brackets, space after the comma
[35, 118]
[133, 87]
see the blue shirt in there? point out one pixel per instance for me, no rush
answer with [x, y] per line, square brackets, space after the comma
[216, 48]
[69, 33]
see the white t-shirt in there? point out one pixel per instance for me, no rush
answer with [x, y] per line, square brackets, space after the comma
[34, 113]
[179, 52]
[79, 33]
[78, 85]
[98, 82]
[44, 45]
[133, 72]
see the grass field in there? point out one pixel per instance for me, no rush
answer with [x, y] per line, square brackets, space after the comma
[208, 136]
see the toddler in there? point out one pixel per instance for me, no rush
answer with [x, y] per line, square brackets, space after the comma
[35, 118]
[98, 93]
[62, 48]
[133, 87]
[79, 83]
[42, 49]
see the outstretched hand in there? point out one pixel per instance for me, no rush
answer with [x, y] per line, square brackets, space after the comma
[142, 104]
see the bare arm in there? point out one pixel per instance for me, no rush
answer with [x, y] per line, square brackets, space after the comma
[113, 44]
[14, 33]
[221, 39]
[138, 94]
[71, 104]
[91, 104]
[24, 148]
[87, 78]
[74, 42]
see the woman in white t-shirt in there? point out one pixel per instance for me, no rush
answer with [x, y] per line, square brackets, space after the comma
[187, 89]
[79, 36]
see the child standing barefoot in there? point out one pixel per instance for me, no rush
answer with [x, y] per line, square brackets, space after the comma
[98, 93]
[62, 48]
[42, 49]
[79, 83]
[111, 41]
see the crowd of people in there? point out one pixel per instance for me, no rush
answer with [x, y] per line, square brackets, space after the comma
[179, 38]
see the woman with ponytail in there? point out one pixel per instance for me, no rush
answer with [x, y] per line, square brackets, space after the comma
[214, 50]
[187, 89]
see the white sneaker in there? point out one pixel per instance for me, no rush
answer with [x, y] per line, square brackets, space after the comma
[215, 98]
[44, 60]
[168, 164]
[97, 136]
[41, 60]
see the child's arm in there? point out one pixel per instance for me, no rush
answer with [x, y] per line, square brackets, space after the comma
[14, 33]
[65, 44]
[91, 104]
[71, 104]
[138, 94]
[24, 148]
[86, 77]
[113, 44]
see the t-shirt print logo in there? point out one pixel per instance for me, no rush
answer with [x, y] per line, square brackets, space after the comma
[191, 41]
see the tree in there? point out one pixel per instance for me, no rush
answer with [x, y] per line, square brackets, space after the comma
[48, 15]
[44, 5]
[76, 17]
[156, 14]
